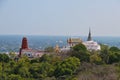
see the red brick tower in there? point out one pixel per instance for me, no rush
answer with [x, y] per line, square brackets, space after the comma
[24, 45]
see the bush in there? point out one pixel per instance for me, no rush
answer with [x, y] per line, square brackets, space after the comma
[95, 59]
[4, 58]
[67, 67]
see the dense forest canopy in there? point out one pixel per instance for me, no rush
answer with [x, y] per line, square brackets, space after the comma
[77, 64]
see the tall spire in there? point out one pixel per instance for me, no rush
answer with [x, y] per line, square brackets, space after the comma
[89, 35]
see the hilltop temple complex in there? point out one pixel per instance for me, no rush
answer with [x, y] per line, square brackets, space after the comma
[90, 45]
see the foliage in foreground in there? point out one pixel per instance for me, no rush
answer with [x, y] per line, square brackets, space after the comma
[79, 64]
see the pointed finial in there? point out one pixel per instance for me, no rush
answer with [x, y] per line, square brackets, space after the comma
[89, 35]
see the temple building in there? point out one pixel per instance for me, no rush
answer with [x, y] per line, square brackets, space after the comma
[90, 44]
[25, 50]
[73, 41]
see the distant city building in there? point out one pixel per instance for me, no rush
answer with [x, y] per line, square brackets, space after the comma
[25, 50]
[90, 44]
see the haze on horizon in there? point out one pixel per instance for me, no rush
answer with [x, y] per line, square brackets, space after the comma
[60, 17]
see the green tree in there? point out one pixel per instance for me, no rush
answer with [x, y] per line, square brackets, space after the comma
[95, 58]
[114, 49]
[49, 49]
[24, 72]
[80, 51]
[114, 57]
[14, 77]
[110, 55]
[45, 58]
[105, 53]
[103, 47]
[83, 56]
[34, 70]
[67, 67]
[36, 60]
[79, 47]
[46, 70]
[12, 55]
[0, 70]
[4, 58]
[41, 70]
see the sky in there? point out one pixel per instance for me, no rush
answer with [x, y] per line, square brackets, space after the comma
[60, 17]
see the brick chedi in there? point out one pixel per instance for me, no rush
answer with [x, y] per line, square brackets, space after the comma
[25, 50]
[24, 45]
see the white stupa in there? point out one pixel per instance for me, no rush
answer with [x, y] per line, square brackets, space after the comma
[90, 44]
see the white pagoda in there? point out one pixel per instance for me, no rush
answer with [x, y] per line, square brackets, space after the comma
[90, 44]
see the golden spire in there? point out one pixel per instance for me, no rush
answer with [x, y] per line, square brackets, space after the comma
[57, 49]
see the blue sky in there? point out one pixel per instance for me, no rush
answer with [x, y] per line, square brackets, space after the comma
[60, 17]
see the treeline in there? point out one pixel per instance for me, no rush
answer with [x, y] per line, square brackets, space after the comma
[77, 64]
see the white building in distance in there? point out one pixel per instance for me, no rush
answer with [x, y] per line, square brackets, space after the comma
[90, 44]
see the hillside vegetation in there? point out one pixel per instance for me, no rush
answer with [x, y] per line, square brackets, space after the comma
[77, 64]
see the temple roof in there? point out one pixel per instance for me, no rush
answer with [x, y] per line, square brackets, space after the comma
[74, 40]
